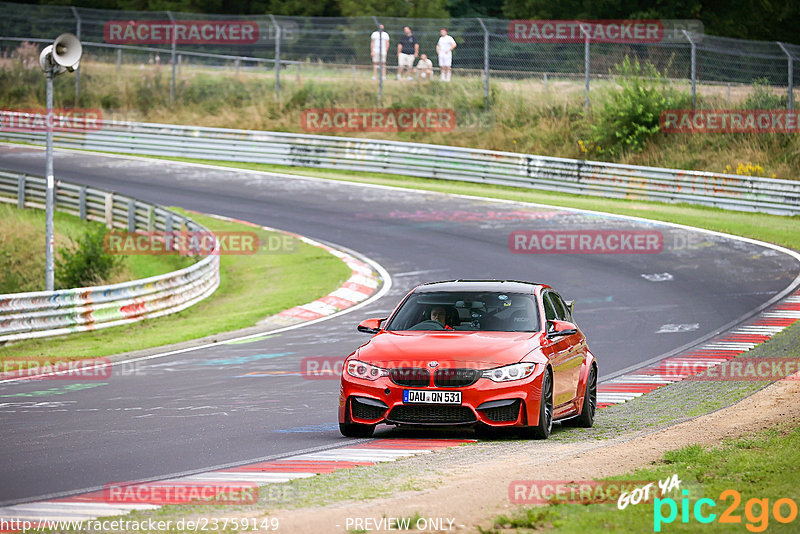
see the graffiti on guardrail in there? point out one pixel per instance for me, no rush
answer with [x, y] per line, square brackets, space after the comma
[49, 313]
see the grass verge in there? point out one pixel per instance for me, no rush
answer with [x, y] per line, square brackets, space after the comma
[252, 287]
[761, 467]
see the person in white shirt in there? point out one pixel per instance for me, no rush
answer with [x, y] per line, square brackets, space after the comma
[424, 68]
[379, 46]
[444, 48]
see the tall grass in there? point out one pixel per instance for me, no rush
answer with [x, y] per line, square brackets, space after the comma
[524, 115]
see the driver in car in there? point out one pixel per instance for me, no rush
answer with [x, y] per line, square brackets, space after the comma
[439, 314]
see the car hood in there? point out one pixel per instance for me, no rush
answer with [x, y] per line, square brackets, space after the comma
[450, 349]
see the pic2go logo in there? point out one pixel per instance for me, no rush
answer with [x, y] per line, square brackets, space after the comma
[756, 511]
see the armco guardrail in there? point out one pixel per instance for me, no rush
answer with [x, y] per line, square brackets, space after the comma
[49, 313]
[593, 178]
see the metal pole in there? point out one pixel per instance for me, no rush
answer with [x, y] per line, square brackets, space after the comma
[119, 59]
[790, 60]
[380, 60]
[586, 67]
[485, 64]
[174, 52]
[277, 57]
[78, 70]
[50, 191]
[694, 69]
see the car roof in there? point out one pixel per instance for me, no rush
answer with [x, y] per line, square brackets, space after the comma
[510, 286]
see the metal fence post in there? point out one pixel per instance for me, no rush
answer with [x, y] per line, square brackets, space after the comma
[82, 202]
[21, 192]
[694, 68]
[174, 53]
[49, 269]
[485, 64]
[109, 210]
[277, 57]
[586, 67]
[790, 74]
[131, 215]
[381, 61]
[78, 70]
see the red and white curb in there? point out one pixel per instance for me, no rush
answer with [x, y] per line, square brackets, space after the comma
[93, 505]
[676, 368]
[363, 282]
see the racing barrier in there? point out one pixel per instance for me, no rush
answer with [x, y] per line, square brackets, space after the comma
[49, 313]
[594, 178]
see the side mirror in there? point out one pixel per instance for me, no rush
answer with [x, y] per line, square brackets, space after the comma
[560, 328]
[371, 326]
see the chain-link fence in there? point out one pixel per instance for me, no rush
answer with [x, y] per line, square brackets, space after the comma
[294, 49]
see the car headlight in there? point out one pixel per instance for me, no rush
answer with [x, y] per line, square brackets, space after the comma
[516, 371]
[359, 369]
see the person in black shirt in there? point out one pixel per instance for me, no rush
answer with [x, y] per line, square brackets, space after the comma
[407, 51]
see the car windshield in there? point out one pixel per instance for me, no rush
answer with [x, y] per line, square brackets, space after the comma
[467, 310]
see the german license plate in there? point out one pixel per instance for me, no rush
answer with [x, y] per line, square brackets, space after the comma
[417, 396]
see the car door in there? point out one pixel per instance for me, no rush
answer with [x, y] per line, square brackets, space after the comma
[557, 349]
[576, 344]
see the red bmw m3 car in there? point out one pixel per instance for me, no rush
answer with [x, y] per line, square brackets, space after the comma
[479, 353]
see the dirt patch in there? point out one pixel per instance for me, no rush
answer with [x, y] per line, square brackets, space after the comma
[473, 496]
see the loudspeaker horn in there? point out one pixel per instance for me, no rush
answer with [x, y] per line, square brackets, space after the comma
[67, 51]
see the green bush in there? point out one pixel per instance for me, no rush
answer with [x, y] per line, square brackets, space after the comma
[86, 262]
[763, 98]
[626, 118]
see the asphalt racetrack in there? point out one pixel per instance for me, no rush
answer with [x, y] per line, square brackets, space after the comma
[234, 403]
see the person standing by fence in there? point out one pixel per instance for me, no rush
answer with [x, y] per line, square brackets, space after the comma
[379, 46]
[407, 52]
[444, 48]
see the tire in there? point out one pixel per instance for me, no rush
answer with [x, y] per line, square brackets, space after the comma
[356, 430]
[545, 426]
[586, 417]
